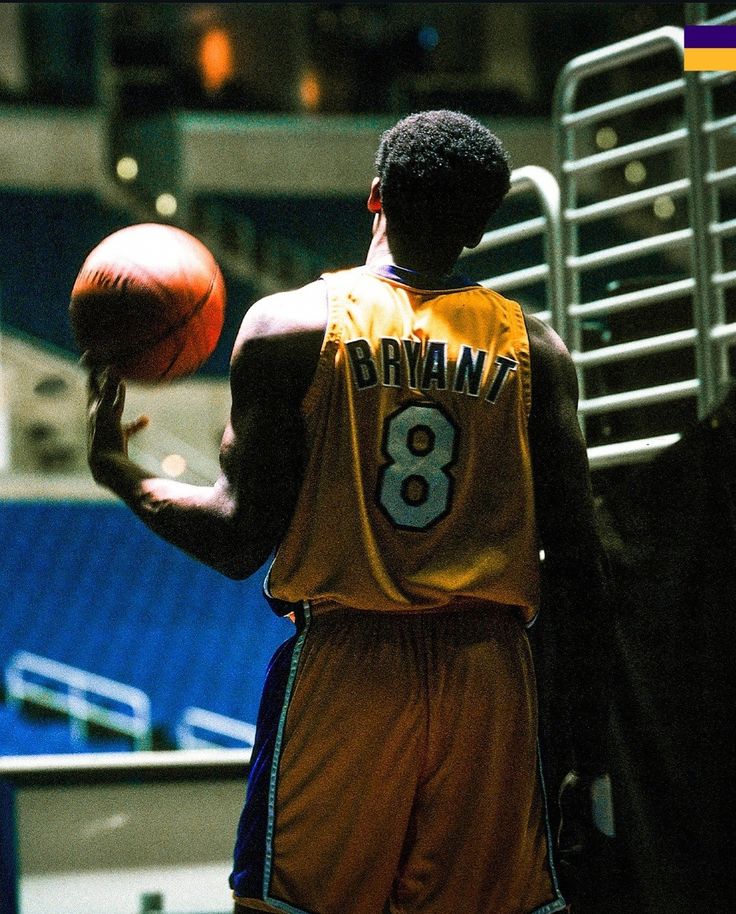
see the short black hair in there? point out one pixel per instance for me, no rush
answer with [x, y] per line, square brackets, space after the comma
[441, 172]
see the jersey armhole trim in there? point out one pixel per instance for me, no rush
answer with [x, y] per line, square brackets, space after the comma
[326, 356]
[524, 357]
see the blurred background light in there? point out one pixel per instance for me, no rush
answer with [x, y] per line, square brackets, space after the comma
[166, 205]
[664, 207]
[635, 172]
[216, 59]
[606, 138]
[310, 91]
[126, 168]
[428, 37]
[174, 465]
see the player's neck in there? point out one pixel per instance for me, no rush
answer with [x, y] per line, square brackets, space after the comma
[379, 252]
[386, 249]
[437, 259]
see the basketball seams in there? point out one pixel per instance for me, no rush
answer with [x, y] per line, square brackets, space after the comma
[154, 287]
[149, 283]
[190, 316]
[115, 291]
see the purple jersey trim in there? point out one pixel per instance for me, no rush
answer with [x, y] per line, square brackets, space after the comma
[429, 281]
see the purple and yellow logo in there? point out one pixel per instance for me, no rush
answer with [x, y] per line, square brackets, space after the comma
[710, 47]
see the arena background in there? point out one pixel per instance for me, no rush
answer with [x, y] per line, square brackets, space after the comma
[132, 674]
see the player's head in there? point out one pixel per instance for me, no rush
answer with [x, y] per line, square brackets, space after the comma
[441, 175]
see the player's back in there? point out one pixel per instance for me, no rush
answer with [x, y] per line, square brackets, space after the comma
[417, 493]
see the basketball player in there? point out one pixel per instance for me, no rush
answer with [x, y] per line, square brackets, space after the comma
[404, 439]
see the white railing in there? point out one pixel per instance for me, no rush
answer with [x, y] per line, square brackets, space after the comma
[85, 698]
[700, 243]
[221, 732]
[545, 190]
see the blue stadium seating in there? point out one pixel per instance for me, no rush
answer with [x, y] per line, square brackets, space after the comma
[90, 586]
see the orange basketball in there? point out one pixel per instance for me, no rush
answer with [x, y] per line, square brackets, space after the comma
[149, 300]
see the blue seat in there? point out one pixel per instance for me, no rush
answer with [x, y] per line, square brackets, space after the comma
[140, 612]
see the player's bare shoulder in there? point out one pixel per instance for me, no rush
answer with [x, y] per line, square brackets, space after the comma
[281, 337]
[552, 365]
[290, 313]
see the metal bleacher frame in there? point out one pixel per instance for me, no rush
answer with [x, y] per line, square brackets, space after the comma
[83, 697]
[88, 699]
[563, 214]
[194, 723]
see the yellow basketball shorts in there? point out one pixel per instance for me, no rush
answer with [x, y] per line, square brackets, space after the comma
[396, 771]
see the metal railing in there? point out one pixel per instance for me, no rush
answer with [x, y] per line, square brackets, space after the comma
[85, 698]
[698, 245]
[221, 732]
[547, 226]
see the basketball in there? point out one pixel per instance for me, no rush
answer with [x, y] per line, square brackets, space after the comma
[148, 301]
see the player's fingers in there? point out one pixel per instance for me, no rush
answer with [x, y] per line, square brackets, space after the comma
[97, 370]
[108, 389]
[106, 399]
[132, 428]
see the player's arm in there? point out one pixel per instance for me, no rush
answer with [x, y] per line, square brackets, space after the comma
[234, 524]
[575, 568]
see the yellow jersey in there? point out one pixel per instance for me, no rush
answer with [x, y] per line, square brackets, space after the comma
[417, 493]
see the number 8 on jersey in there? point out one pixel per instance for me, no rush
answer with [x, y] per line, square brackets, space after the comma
[414, 485]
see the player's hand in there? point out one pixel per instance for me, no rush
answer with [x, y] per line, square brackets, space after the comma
[107, 434]
[585, 838]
